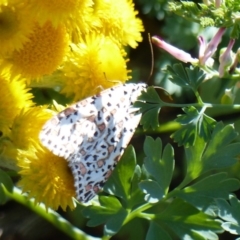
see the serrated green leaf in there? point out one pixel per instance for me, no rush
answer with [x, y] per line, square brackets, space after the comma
[195, 77]
[119, 183]
[203, 193]
[194, 161]
[153, 151]
[229, 211]
[187, 222]
[150, 96]
[150, 118]
[156, 232]
[232, 228]
[188, 77]
[159, 165]
[153, 191]
[218, 153]
[205, 126]
[186, 135]
[150, 105]
[177, 74]
[137, 196]
[194, 124]
[110, 206]
[115, 223]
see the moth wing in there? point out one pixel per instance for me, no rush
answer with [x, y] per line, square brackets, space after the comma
[63, 133]
[92, 169]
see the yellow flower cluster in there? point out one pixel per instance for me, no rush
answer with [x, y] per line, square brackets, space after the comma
[60, 37]
[73, 46]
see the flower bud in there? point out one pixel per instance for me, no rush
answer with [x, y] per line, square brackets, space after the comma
[175, 52]
[212, 46]
[226, 58]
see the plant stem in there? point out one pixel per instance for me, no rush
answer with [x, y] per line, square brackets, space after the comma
[50, 215]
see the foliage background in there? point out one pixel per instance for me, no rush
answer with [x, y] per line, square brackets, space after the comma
[182, 34]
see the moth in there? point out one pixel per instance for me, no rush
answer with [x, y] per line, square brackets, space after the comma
[92, 135]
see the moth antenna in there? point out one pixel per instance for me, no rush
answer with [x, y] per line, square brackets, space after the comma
[105, 76]
[152, 65]
[114, 81]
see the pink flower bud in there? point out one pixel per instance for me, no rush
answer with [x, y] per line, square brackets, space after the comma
[212, 46]
[175, 52]
[218, 3]
[225, 58]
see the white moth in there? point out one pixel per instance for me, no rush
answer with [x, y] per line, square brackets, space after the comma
[92, 135]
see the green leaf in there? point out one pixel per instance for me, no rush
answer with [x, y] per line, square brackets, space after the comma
[218, 153]
[203, 193]
[119, 183]
[150, 105]
[188, 10]
[225, 15]
[115, 223]
[156, 232]
[188, 77]
[137, 196]
[6, 182]
[194, 124]
[230, 213]
[110, 212]
[187, 222]
[150, 96]
[159, 164]
[153, 192]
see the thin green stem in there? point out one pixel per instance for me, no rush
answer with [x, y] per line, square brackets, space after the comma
[206, 105]
[199, 99]
[50, 215]
[137, 212]
[149, 216]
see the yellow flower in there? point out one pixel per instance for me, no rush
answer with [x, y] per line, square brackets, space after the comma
[23, 134]
[34, 39]
[75, 14]
[46, 178]
[93, 64]
[119, 21]
[27, 125]
[14, 97]
[42, 53]
[15, 26]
